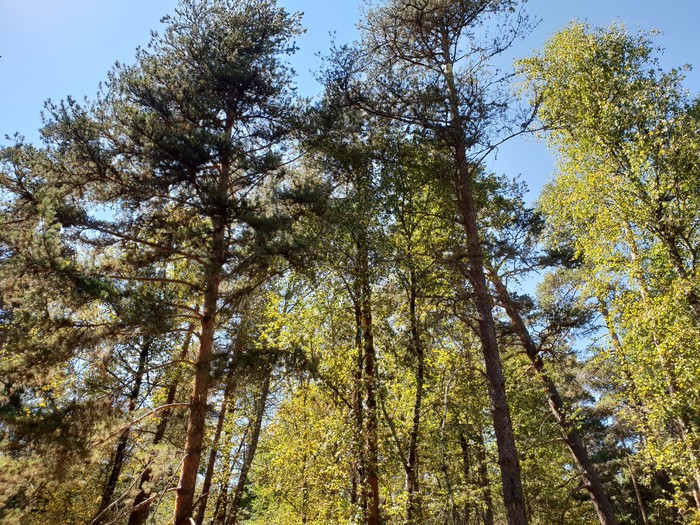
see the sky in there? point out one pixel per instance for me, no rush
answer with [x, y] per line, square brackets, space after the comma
[50, 49]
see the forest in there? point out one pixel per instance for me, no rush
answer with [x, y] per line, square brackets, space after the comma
[224, 303]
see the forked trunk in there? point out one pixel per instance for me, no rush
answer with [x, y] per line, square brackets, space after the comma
[591, 482]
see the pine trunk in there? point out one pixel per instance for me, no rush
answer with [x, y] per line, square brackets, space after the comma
[413, 505]
[250, 453]
[200, 391]
[591, 482]
[464, 180]
[502, 424]
[123, 442]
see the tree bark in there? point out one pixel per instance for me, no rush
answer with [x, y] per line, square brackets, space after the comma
[200, 391]
[573, 440]
[413, 505]
[359, 504]
[484, 483]
[464, 179]
[250, 453]
[142, 502]
[371, 465]
[123, 441]
[502, 423]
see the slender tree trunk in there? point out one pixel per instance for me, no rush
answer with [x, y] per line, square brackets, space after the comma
[413, 505]
[454, 511]
[464, 181]
[466, 474]
[200, 391]
[211, 463]
[250, 453]
[484, 483]
[358, 472]
[637, 494]
[502, 423]
[220, 507]
[370, 379]
[222, 501]
[123, 441]
[591, 482]
[142, 502]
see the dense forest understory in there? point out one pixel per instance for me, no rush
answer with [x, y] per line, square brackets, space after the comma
[222, 303]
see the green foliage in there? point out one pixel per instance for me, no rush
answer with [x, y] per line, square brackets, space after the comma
[626, 200]
[198, 234]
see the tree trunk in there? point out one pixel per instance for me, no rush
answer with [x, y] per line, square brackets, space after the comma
[200, 391]
[637, 494]
[206, 485]
[484, 483]
[370, 379]
[413, 505]
[252, 448]
[503, 426]
[123, 442]
[463, 180]
[222, 500]
[142, 502]
[466, 467]
[359, 505]
[591, 482]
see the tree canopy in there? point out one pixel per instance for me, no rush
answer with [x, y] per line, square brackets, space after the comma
[221, 303]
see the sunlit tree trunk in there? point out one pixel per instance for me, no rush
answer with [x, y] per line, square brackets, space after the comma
[200, 391]
[591, 481]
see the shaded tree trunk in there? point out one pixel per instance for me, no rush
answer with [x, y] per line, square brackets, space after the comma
[573, 440]
[413, 505]
[123, 441]
[142, 502]
[358, 472]
[209, 474]
[222, 500]
[484, 483]
[371, 465]
[637, 494]
[464, 180]
[502, 423]
[250, 453]
[466, 467]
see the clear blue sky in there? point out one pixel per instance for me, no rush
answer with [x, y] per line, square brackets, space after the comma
[55, 48]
